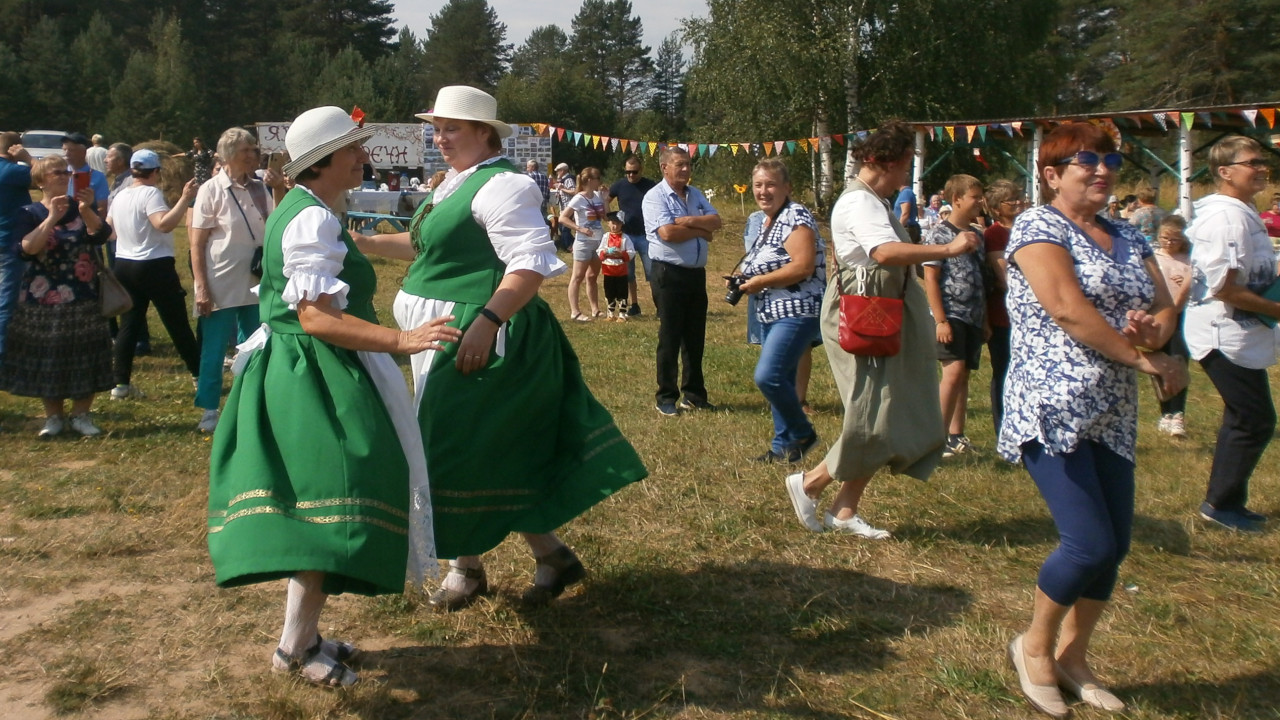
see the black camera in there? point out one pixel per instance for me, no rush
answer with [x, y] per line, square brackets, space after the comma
[734, 293]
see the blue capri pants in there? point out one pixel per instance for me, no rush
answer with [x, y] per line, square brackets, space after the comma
[1090, 496]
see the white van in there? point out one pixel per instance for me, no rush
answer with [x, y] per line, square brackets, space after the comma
[42, 143]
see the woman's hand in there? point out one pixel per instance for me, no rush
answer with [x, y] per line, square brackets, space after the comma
[189, 190]
[1172, 373]
[85, 198]
[57, 208]
[473, 351]
[751, 285]
[204, 302]
[273, 179]
[1143, 330]
[943, 332]
[428, 336]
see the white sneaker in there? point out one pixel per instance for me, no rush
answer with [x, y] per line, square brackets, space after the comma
[208, 421]
[1163, 425]
[83, 424]
[855, 526]
[52, 427]
[806, 507]
[122, 392]
[1177, 425]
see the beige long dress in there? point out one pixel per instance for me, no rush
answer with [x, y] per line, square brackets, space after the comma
[892, 416]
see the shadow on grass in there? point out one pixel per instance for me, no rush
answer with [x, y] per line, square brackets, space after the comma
[732, 638]
[1246, 697]
[1167, 535]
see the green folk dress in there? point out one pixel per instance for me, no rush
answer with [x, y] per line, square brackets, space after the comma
[308, 470]
[521, 445]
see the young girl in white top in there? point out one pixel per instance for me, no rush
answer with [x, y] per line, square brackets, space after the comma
[1175, 265]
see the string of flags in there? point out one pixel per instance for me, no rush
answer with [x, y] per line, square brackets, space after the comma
[943, 132]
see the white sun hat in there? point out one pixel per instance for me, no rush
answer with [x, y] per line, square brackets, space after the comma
[319, 132]
[462, 102]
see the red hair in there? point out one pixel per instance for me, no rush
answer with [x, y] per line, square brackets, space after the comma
[1065, 141]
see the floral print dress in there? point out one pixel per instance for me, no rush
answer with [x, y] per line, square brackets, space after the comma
[1060, 392]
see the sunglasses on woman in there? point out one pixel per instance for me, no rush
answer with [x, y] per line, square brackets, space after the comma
[1090, 159]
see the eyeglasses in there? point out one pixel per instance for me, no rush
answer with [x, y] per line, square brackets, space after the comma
[1090, 159]
[631, 172]
[1016, 203]
[1256, 163]
[59, 172]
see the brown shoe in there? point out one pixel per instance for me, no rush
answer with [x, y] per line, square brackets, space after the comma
[568, 569]
[448, 600]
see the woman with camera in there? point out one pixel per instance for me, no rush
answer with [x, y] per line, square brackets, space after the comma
[58, 343]
[891, 411]
[785, 268]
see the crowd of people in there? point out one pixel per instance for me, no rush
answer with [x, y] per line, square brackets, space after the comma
[327, 471]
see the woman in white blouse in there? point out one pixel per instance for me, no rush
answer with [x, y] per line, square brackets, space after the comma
[515, 441]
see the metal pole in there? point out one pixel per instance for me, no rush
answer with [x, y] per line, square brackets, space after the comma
[1184, 170]
[917, 170]
[1036, 138]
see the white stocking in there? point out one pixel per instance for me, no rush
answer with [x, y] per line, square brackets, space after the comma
[302, 612]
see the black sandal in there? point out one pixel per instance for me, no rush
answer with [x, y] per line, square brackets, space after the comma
[568, 569]
[336, 677]
[343, 652]
[448, 600]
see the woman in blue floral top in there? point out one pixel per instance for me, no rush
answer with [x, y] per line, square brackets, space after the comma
[1085, 298]
[59, 345]
[785, 265]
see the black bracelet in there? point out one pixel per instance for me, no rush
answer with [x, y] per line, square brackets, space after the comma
[493, 316]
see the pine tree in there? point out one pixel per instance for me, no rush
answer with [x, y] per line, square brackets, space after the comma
[545, 45]
[50, 77]
[667, 97]
[366, 25]
[99, 59]
[465, 46]
[607, 42]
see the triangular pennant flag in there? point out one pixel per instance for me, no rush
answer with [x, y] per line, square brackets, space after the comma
[614, 143]
[982, 132]
[577, 137]
[804, 144]
[712, 149]
[862, 134]
[1269, 114]
[683, 146]
[1188, 119]
[839, 137]
[768, 149]
[1162, 119]
[1208, 121]
[1007, 128]
[951, 131]
[939, 132]
[746, 147]
[539, 128]
[634, 146]
[1017, 126]
[1174, 118]
[791, 147]
[733, 148]
[1251, 115]
[560, 134]
[777, 146]
[653, 149]
[971, 132]
[813, 143]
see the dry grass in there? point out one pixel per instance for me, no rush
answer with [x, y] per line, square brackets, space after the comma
[705, 601]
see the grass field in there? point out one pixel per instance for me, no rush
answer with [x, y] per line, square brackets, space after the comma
[705, 600]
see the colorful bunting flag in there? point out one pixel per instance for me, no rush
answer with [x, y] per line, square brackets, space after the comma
[1251, 115]
[711, 149]
[982, 132]
[791, 147]
[733, 149]
[560, 134]
[768, 149]
[951, 132]
[1188, 119]
[1269, 114]
[839, 137]
[777, 146]
[804, 144]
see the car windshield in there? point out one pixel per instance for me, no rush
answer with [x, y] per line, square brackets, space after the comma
[43, 141]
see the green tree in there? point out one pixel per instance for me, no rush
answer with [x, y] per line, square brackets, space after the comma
[135, 101]
[399, 81]
[366, 25]
[14, 98]
[99, 59]
[546, 46]
[346, 81]
[50, 76]
[465, 45]
[607, 42]
[668, 94]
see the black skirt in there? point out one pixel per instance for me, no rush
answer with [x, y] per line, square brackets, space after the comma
[57, 351]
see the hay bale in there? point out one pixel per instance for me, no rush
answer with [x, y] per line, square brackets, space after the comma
[174, 171]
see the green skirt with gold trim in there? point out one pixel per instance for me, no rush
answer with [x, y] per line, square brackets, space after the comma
[521, 446]
[307, 473]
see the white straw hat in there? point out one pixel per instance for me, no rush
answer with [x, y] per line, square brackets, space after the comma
[319, 132]
[461, 102]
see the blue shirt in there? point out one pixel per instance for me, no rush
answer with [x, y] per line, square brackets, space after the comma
[662, 206]
[15, 179]
[909, 197]
[97, 181]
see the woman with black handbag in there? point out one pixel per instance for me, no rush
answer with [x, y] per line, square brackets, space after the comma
[59, 345]
[892, 414]
[227, 224]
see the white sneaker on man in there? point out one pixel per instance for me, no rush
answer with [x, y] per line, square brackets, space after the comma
[208, 421]
[855, 526]
[1177, 425]
[83, 424]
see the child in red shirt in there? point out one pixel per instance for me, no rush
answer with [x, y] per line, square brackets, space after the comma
[615, 251]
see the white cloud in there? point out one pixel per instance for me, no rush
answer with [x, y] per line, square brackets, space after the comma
[659, 17]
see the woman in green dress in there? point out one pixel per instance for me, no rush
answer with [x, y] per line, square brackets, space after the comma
[317, 471]
[515, 441]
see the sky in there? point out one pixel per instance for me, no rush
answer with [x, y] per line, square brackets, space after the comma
[659, 17]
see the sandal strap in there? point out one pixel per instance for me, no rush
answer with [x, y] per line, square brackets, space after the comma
[473, 573]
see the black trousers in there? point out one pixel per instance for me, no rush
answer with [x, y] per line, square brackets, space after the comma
[998, 348]
[1248, 422]
[680, 296]
[153, 281]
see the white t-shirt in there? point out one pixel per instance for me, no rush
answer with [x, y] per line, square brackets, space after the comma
[859, 224]
[130, 216]
[1228, 235]
[588, 214]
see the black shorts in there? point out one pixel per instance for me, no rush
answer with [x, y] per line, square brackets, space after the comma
[966, 344]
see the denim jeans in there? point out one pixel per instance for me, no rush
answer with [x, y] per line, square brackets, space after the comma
[642, 249]
[785, 341]
[217, 331]
[11, 269]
